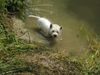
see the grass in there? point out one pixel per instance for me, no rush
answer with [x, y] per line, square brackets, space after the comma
[19, 57]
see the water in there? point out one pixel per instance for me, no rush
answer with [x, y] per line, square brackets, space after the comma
[72, 15]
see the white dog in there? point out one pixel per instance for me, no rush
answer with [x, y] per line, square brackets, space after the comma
[47, 27]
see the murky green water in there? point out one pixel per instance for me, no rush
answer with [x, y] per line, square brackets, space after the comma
[72, 15]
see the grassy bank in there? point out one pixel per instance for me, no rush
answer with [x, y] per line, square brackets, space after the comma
[20, 57]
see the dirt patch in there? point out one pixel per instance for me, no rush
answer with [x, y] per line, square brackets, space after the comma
[20, 31]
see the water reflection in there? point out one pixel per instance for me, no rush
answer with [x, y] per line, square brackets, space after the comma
[87, 10]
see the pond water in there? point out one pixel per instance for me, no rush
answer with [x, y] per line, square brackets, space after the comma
[74, 16]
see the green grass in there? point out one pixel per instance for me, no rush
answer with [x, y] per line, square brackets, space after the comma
[18, 56]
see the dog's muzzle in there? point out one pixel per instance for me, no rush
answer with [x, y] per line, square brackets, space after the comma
[55, 35]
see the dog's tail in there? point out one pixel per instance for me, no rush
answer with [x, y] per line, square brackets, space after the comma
[34, 16]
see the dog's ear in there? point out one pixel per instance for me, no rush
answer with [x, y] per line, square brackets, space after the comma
[60, 28]
[50, 26]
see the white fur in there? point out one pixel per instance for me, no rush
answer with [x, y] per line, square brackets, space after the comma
[45, 24]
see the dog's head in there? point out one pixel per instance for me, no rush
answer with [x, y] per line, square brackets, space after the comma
[55, 30]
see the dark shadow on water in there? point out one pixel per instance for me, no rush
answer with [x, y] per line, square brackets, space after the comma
[87, 10]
